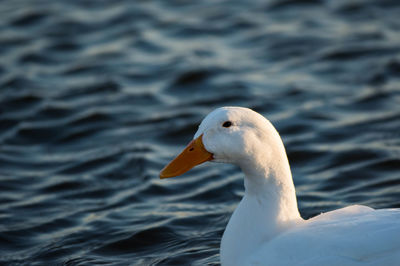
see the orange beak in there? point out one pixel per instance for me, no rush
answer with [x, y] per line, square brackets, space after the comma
[192, 155]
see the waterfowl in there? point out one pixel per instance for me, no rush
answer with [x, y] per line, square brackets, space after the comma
[266, 227]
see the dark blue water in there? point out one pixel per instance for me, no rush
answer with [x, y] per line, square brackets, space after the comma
[97, 96]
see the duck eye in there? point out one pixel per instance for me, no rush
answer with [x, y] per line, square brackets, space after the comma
[227, 124]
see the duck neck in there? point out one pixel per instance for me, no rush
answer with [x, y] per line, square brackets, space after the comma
[268, 208]
[268, 178]
[272, 188]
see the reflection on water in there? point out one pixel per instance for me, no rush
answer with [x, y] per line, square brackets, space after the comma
[97, 96]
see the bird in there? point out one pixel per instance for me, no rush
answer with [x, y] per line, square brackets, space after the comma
[266, 227]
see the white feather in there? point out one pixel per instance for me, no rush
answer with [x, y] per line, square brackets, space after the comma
[266, 227]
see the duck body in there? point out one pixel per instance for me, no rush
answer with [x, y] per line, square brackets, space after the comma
[266, 228]
[355, 235]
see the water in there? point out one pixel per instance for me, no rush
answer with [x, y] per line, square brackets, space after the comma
[97, 96]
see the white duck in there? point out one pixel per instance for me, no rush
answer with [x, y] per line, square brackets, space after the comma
[266, 227]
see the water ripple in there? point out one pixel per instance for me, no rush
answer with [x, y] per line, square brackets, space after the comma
[97, 96]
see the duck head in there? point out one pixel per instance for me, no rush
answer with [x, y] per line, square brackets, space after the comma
[234, 135]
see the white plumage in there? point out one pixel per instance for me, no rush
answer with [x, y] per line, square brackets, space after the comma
[266, 227]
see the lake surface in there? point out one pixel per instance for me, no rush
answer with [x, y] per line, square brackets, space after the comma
[97, 96]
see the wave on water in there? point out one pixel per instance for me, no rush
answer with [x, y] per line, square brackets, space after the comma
[97, 96]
